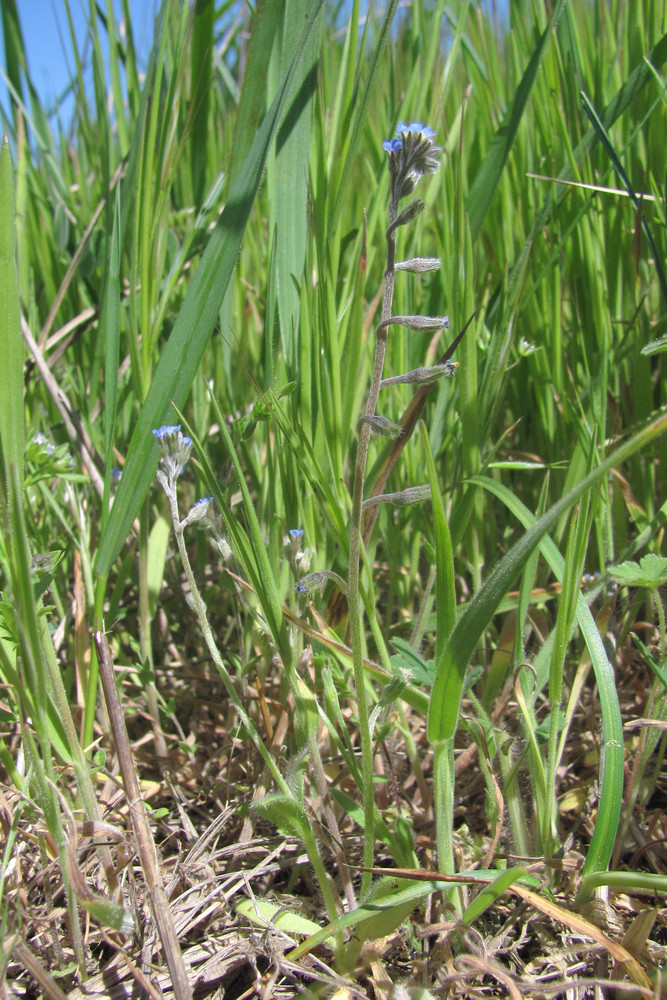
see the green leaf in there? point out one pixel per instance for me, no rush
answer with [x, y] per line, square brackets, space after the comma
[268, 913]
[109, 914]
[158, 543]
[406, 658]
[612, 760]
[361, 111]
[290, 181]
[444, 558]
[452, 665]
[12, 433]
[192, 330]
[369, 911]
[487, 896]
[486, 181]
[650, 572]
[286, 813]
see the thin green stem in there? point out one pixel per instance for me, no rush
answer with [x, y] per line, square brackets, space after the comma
[660, 611]
[145, 642]
[443, 784]
[353, 591]
[198, 605]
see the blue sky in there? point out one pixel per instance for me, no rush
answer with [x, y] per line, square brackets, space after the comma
[48, 44]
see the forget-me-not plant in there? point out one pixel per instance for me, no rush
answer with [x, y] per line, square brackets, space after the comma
[175, 449]
[412, 153]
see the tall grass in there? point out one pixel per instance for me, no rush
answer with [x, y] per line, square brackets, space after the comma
[205, 243]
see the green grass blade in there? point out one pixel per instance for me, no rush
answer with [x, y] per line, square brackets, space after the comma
[444, 557]
[630, 882]
[486, 182]
[361, 112]
[12, 433]
[200, 73]
[264, 580]
[342, 98]
[413, 892]
[110, 334]
[612, 759]
[290, 188]
[488, 895]
[622, 101]
[14, 50]
[253, 93]
[660, 674]
[605, 139]
[451, 668]
[191, 333]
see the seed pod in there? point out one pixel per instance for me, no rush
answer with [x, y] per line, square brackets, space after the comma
[413, 494]
[417, 265]
[429, 323]
[382, 426]
[422, 376]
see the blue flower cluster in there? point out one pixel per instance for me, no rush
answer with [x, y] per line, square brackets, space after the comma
[174, 448]
[412, 154]
[416, 129]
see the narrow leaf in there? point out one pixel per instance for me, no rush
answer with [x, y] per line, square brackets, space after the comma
[361, 111]
[192, 330]
[485, 184]
[605, 139]
[12, 434]
[451, 668]
[444, 558]
[290, 191]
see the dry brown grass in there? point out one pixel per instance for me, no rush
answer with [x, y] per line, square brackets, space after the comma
[212, 853]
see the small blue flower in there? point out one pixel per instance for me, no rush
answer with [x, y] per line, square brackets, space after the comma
[169, 438]
[42, 442]
[417, 129]
[204, 502]
[293, 542]
[166, 431]
[200, 511]
[174, 448]
[412, 154]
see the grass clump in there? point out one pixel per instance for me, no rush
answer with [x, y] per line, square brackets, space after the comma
[393, 719]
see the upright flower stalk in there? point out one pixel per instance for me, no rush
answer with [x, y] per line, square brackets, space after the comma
[284, 807]
[412, 154]
[175, 449]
